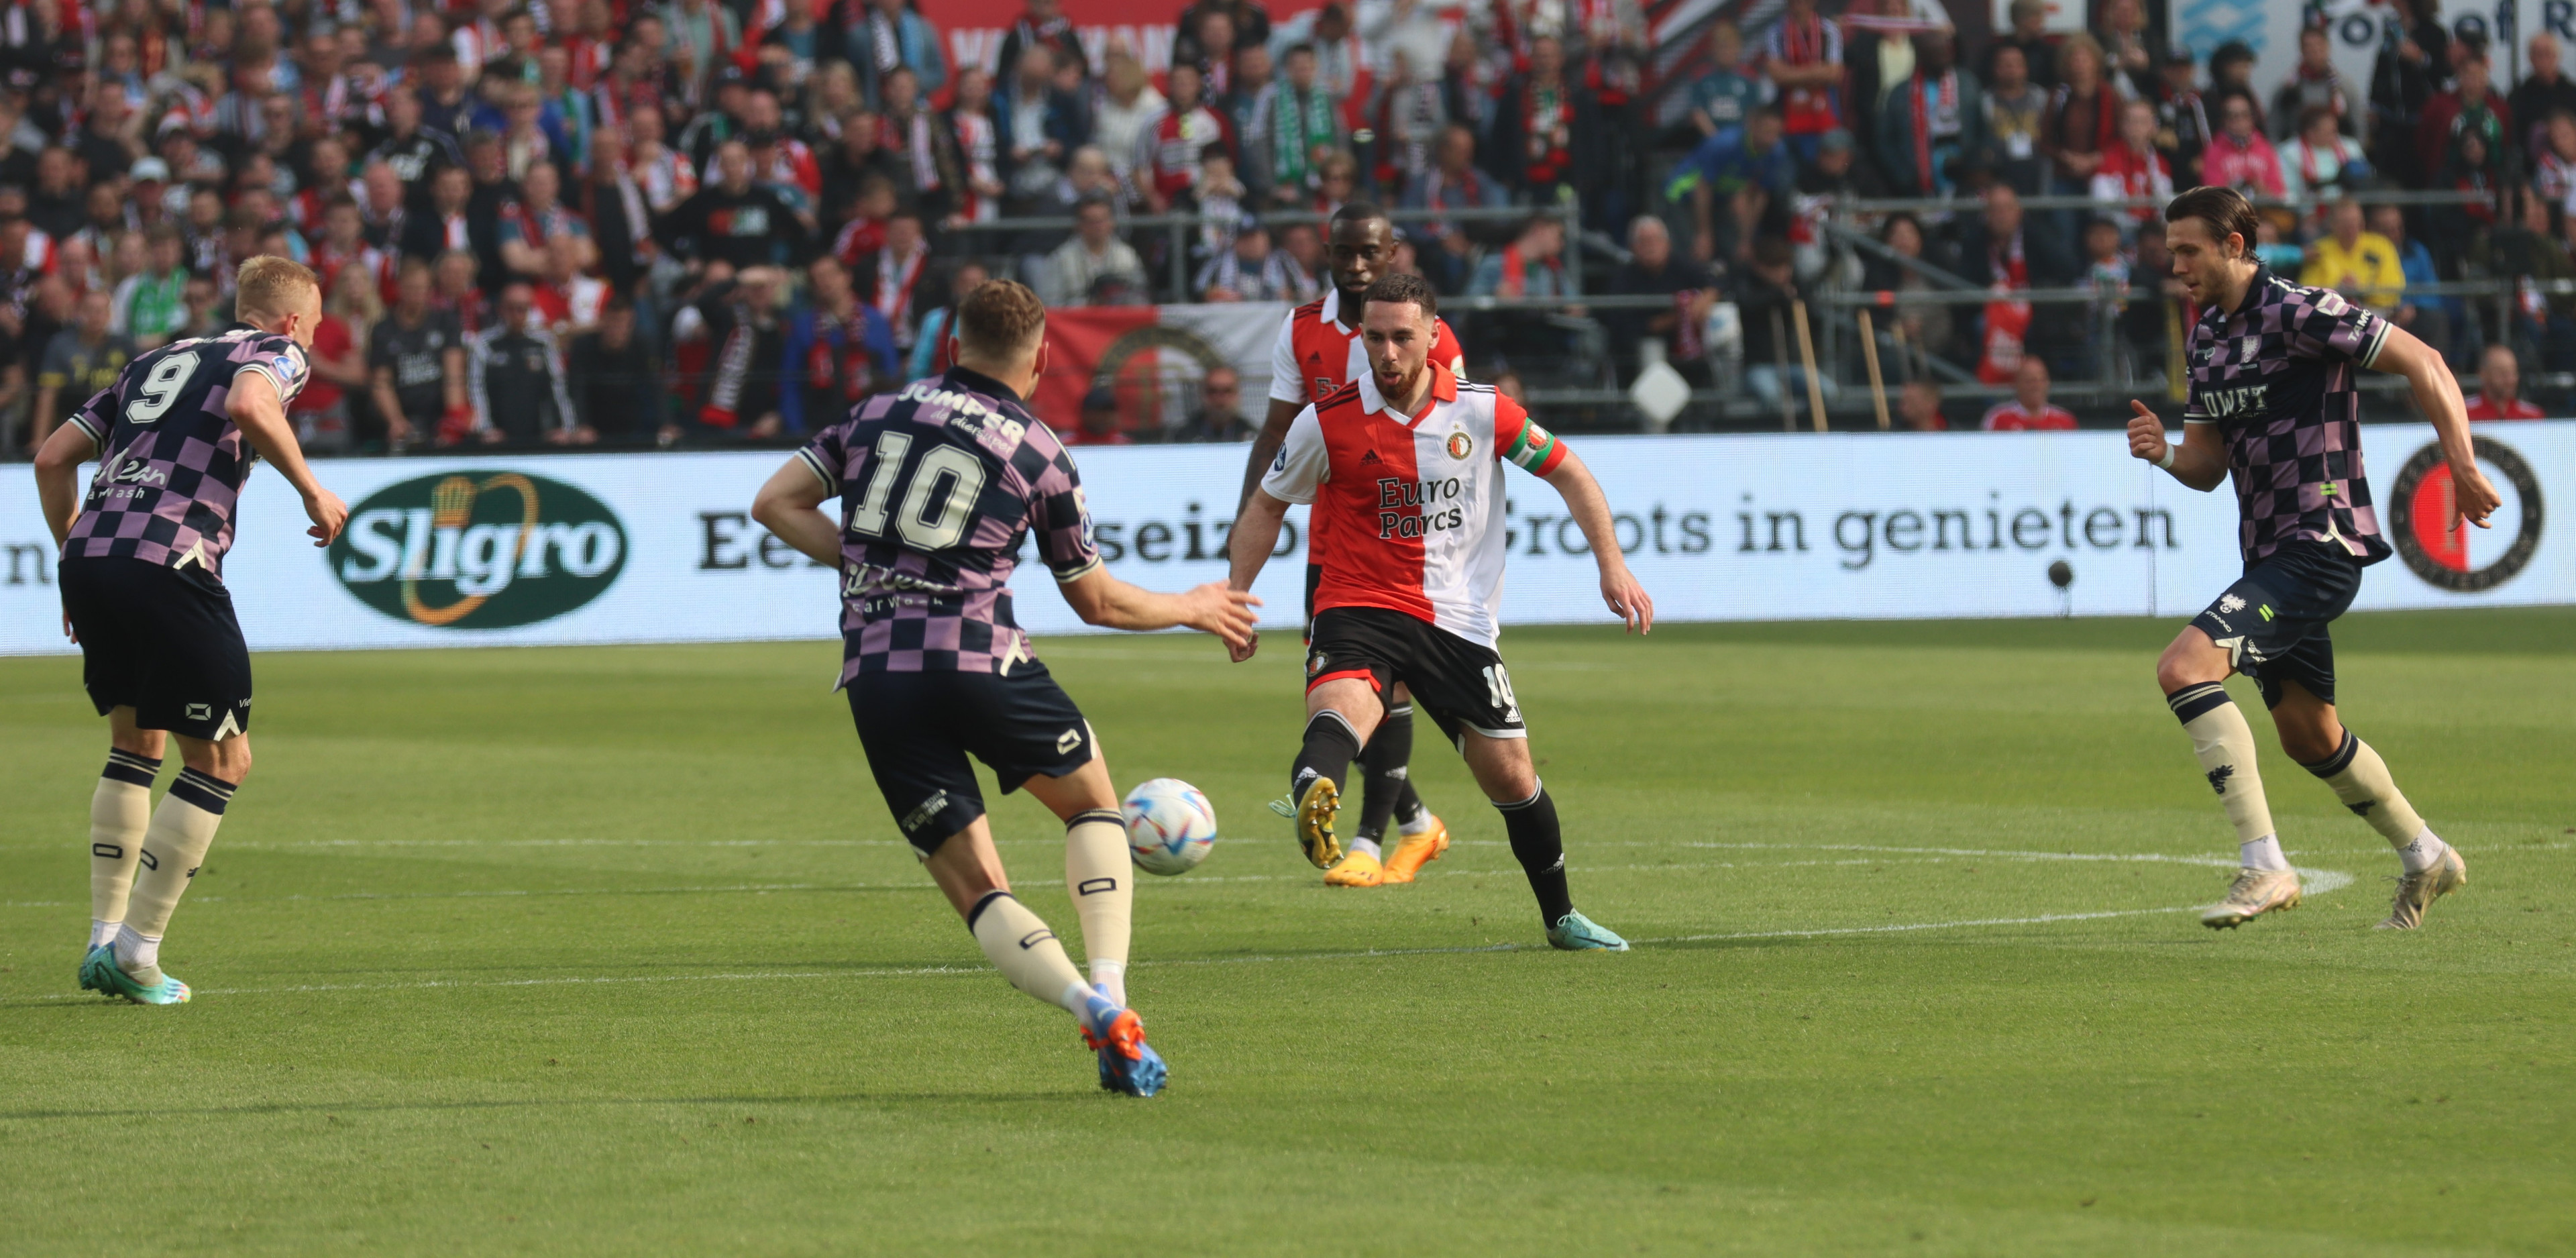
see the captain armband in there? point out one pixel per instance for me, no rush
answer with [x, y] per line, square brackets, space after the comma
[1535, 449]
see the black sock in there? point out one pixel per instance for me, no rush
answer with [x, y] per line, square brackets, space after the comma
[1540, 845]
[1382, 767]
[1330, 747]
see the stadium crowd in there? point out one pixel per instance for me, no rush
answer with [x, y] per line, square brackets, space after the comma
[571, 222]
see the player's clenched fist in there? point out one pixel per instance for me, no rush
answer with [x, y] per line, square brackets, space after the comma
[2146, 434]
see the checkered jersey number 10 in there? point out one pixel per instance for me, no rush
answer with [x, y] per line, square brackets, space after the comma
[953, 474]
[161, 388]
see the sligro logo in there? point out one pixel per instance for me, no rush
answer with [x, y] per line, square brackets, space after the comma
[483, 550]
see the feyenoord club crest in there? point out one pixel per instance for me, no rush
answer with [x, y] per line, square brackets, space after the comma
[1461, 445]
[2419, 520]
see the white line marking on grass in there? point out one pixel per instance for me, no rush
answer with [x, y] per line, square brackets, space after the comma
[2319, 882]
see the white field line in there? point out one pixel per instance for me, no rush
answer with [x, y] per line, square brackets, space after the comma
[2318, 882]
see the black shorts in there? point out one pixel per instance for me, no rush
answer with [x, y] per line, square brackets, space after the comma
[160, 642]
[1462, 684]
[918, 729]
[2273, 621]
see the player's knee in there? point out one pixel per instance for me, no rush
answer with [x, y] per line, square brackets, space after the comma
[228, 760]
[2307, 737]
[2183, 665]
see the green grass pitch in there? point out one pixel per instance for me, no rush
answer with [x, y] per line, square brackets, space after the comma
[614, 951]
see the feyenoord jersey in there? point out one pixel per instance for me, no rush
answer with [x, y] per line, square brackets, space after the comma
[2277, 376]
[1412, 506]
[1315, 354]
[939, 483]
[171, 463]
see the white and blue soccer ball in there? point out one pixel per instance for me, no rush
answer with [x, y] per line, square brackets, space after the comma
[1170, 826]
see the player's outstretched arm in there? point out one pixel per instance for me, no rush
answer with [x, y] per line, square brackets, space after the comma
[58, 476]
[1248, 546]
[790, 505]
[1591, 511]
[2197, 462]
[2437, 393]
[1265, 446]
[1103, 600]
[256, 409]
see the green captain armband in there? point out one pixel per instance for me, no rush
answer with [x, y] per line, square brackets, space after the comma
[1533, 449]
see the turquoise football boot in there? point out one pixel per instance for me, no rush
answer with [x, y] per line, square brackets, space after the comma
[169, 991]
[1576, 933]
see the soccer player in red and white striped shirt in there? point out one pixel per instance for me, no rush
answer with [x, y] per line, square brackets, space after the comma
[1404, 468]
[1319, 351]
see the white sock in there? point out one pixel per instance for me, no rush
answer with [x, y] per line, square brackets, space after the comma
[2421, 854]
[102, 932]
[1111, 978]
[1361, 846]
[138, 954]
[2262, 853]
[1422, 821]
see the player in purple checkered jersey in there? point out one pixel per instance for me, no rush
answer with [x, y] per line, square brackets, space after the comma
[2273, 407]
[143, 595]
[939, 484]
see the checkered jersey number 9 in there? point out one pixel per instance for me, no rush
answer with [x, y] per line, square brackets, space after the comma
[1498, 687]
[161, 388]
[957, 475]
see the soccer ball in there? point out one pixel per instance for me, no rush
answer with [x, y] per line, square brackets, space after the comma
[1170, 826]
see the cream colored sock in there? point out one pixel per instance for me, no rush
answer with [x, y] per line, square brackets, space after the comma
[1027, 953]
[1101, 878]
[2225, 745]
[119, 812]
[175, 844]
[2360, 779]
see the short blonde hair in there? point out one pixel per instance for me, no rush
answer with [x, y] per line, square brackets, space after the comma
[271, 285]
[1001, 320]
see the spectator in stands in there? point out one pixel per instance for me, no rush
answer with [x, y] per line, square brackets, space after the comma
[2315, 84]
[1764, 297]
[2238, 156]
[1930, 120]
[1452, 183]
[416, 362]
[2133, 169]
[1533, 265]
[1750, 174]
[2408, 70]
[78, 361]
[1295, 123]
[1039, 125]
[2553, 166]
[929, 174]
[328, 411]
[931, 349]
[2360, 264]
[2127, 57]
[890, 278]
[1127, 109]
[2004, 247]
[734, 220]
[1653, 271]
[703, 37]
[2028, 409]
[1044, 25]
[2531, 249]
[2322, 162]
[2182, 121]
[2231, 75]
[1204, 40]
[838, 351]
[2499, 394]
[1219, 417]
[1218, 199]
[2431, 319]
[1925, 325]
[1804, 59]
[1250, 271]
[1723, 94]
[1409, 113]
[1100, 424]
[2083, 114]
[2028, 35]
[442, 225]
[515, 379]
[885, 34]
[1299, 260]
[1095, 253]
[2545, 89]
[2470, 108]
[1548, 125]
[2016, 110]
[148, 303]
[1170, 148]
[1919, 405]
